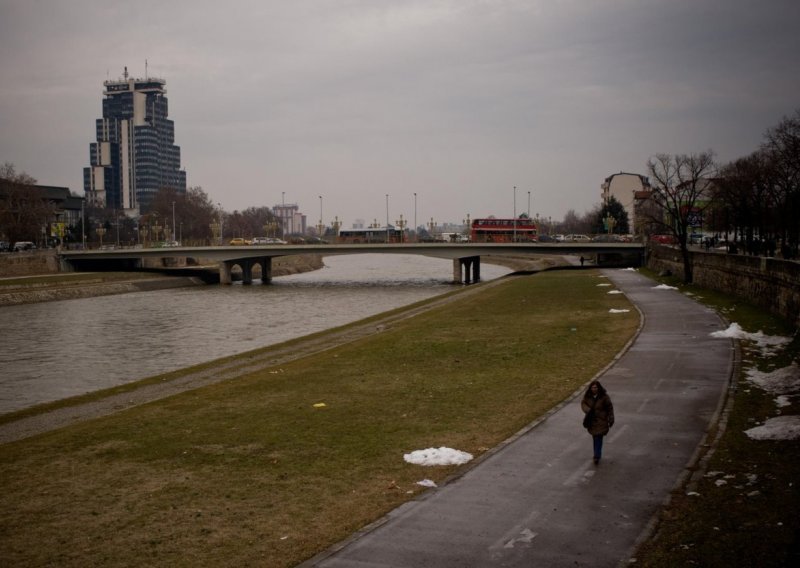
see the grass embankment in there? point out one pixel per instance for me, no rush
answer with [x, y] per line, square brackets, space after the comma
[744, 510]
[250, 472]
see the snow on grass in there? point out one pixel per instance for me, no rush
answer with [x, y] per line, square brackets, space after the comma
[616, 311]
[778, 382]
[778, 428]
[615, 292]
[768, 344]
[664, 287]
[438, 456]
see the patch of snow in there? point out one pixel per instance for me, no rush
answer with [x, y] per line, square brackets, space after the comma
[768, 344]
[427, 483]
[778, 428]
[664, 287]
[778, 382]
[604, 284]
[438, 456]
[616, 311]
[615, 292]
[630, 269]
[783, 401]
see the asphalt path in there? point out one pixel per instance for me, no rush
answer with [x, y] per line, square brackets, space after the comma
[539, 500]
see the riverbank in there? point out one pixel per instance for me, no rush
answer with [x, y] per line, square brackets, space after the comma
[282, 458]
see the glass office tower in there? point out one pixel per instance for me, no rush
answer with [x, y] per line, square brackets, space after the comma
[135, 154]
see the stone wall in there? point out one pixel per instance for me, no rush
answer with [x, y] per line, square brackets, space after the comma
[28, 263]
[771, 283]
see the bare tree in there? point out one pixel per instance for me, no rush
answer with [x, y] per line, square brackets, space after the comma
[782, 151]
[681, 191]
[24, 209]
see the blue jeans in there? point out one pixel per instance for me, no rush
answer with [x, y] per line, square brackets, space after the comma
[598, 446]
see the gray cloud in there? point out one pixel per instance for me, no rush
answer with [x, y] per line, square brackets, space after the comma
[457, 101]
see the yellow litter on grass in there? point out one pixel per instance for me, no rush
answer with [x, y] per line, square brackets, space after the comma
[319, 405]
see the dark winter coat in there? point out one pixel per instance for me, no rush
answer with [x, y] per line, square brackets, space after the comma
[603, 413]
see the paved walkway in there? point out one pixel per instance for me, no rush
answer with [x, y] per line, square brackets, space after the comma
[539, 500]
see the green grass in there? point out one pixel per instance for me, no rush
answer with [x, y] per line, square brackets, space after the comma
[250, 472]
[752, 519]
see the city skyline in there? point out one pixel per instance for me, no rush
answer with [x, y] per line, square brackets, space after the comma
[456, 102]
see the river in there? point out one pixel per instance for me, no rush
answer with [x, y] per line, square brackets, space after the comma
[55, 350]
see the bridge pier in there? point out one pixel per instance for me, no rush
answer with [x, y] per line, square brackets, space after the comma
[225, 272]
[467, 269]
[266, 269]
[247, 271]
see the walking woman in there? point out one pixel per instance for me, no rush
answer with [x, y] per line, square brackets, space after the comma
[599, 415]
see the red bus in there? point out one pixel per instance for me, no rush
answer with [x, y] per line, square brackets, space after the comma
[503, 230]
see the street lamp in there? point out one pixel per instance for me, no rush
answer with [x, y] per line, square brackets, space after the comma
[515, 213]
[173, 221]
[416, 237]
[220, 223]
[387, 217]
[401, 223]
[321, 226]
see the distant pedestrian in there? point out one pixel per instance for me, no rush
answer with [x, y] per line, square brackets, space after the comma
[599, 415]
[582, 261]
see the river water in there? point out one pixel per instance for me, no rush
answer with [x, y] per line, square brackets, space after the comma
[54, 350]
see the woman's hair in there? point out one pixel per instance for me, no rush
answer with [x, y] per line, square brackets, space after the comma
[600, 390]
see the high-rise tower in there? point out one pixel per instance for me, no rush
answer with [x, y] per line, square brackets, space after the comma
[135, 154]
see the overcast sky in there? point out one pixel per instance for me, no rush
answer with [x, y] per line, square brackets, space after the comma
[456, 100]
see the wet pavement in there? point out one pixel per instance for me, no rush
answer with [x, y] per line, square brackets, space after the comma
[539, 500]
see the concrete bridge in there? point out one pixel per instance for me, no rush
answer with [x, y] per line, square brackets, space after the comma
[465, 256]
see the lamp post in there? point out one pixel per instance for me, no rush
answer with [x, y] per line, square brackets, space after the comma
[83, 223]
[220, 223]
[529, 205]
[515, 213]
[387, 217]
[401, 223]
[416, 236]
[173, 221]
[321, 226]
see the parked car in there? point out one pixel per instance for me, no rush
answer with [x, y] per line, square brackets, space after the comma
[275, 241]
[239, 242]
[577, 238]
[547, 239]
[24, 245]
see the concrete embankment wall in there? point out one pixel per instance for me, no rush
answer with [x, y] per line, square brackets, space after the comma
[771, 283]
